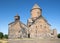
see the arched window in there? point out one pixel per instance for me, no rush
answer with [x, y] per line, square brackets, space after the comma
[41, 26]
[44, 26]
[38, 12]
[29, 25]
[36, 26]
[19, 31]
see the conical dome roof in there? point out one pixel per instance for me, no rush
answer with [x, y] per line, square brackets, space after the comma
[35, 6]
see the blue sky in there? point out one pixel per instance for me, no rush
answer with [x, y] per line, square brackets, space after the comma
[9, 8]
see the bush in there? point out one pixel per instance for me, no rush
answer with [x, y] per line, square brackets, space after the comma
[1, 35]
[58, 36]
[6, 36]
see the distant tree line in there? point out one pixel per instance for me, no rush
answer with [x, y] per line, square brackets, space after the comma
[2, 36]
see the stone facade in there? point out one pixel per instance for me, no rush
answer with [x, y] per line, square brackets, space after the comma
[37, 26]
[17, 29]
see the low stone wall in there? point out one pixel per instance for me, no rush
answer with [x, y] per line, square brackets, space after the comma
[34, 41]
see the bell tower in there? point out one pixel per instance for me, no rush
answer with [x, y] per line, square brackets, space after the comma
[36, 11]
[17, 17]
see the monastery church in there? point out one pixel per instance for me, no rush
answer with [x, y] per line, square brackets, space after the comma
[37, 26]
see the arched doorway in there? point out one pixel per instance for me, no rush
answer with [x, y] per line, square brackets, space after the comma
[28, 35]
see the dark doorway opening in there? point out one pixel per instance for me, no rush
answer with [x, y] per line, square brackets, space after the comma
[28, 35]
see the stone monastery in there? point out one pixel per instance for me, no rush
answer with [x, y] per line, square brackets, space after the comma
[37, 26]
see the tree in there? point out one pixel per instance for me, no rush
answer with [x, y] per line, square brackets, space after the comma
[1, 35]
[6, 36]
[58, 36]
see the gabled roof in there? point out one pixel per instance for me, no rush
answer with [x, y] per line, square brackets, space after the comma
[42, 18]
[13, 23]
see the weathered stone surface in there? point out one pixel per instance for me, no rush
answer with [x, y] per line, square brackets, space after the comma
[17, 29]
[37, 26]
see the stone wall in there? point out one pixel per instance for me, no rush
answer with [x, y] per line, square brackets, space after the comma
[39, 29]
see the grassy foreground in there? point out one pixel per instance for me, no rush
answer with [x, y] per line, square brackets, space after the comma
[3, 41]
[30, 40]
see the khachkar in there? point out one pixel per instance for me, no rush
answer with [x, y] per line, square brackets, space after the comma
[37, 26]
